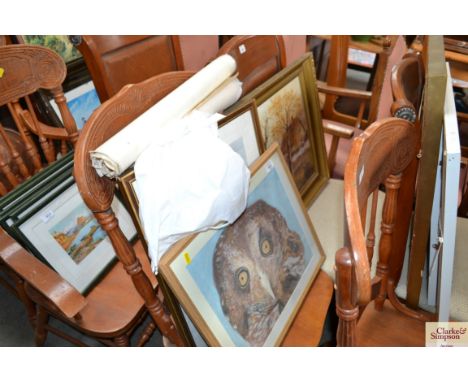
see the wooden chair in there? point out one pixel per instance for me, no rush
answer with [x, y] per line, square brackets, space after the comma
[115, 61]
[375, 103]
[98, 193]
[110, 313]
[407, 81]
[26, 69]
[258, 58]
[380, 155]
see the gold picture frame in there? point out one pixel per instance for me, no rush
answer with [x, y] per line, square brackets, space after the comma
[289, 114]
[214, 274]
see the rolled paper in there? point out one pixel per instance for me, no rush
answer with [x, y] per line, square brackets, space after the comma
[120, 152]
[222, 97]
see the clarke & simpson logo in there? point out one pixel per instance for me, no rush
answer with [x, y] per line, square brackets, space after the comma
[447, 334]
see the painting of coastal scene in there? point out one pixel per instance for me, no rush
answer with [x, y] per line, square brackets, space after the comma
[78, 233]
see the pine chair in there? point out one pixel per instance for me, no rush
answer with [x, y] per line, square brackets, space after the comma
[258, 58]
[26, 69]
[115, 61]
[110, 313]
[376, 102]
[408, 78]
[98, 193]
[380, 155]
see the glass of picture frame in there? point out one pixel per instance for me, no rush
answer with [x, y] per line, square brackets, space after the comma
[242, 286]
[56, 226]
[289, 114]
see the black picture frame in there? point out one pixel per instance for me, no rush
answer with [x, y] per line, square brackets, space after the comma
[54, 224]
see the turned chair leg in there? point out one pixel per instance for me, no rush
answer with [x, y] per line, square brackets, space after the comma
[346, 308]
[41, 322]
[122, 340]
[392, 185]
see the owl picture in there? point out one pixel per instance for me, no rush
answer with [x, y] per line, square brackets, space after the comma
[257, 264]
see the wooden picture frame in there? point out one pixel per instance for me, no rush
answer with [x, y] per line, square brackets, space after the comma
[265, 261]
[56, 226]
[289, 114]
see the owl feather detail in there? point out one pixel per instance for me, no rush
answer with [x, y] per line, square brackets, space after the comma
[257, 263]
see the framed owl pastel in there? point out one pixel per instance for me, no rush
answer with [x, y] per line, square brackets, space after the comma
[242, 285]
[289, 114]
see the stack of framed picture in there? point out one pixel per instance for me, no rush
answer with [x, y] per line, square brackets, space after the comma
[47, 216]
[242, 286]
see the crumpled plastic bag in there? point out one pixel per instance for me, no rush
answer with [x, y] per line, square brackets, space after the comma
[188, 181]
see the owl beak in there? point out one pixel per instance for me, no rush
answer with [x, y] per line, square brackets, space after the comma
[266, 285]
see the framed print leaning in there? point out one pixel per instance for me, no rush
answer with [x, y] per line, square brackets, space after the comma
[58, 228]
[289, 114]
[241, 286]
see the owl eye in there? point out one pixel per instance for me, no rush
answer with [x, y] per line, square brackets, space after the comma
[265, 247]
[265, 244]
[242, 277]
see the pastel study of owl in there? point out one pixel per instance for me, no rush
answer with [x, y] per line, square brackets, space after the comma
[257, 263]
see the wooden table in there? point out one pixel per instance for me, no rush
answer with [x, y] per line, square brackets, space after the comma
[306, 328]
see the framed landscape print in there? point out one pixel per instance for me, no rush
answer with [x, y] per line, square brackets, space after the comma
[289, 114]
[58, 228]
[242, 285]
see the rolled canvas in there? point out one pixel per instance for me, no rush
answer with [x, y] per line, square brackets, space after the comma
[120, 152]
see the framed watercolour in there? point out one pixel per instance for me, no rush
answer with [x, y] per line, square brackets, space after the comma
[57, 227]
[289, 114]
[81, 101]
[241, 286]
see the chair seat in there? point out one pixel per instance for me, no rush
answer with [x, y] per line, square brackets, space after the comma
[114, 303]
[389, 328]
